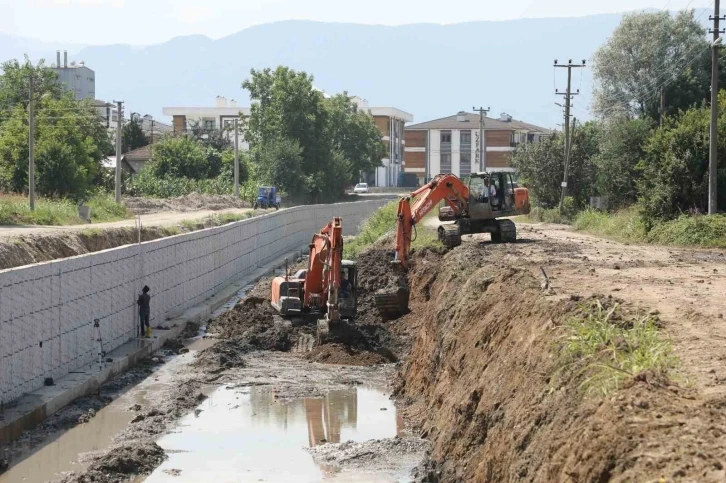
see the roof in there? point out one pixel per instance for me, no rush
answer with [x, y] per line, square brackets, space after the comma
[472, 120]
[140, 154]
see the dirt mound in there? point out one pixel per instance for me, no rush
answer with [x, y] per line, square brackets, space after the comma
[190, 202]
[223, 355]
[484, 384]
[371, 455]
[121, 463]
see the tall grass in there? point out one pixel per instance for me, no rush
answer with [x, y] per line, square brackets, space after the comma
[15, 210]
[609, 350]
[383, 221]
[700, 230]
[624, 225]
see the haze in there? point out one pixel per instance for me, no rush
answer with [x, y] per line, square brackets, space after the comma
[143, 22]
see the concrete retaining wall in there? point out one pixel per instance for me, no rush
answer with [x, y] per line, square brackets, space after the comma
[47, 309]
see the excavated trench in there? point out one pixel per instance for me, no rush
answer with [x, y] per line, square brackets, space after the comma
[474, 368]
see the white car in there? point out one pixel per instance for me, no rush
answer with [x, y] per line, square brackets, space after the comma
[361, 188]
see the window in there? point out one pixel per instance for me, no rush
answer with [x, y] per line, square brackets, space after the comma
[465, 137]
[445, 137]
[465, 165]
[446, 162]
[209, 124]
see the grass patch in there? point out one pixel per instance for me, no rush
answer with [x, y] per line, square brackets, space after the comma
[699, 230]
[624, 225]
[609, 349]
[15, 210]
[383, 221]
[544, 215]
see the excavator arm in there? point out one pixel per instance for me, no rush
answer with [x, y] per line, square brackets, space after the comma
[414, 207]
[322, 281]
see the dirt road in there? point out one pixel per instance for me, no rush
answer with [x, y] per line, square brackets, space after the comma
[687, 287]
[167, 218]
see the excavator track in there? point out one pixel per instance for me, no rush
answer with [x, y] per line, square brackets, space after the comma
[323, 331]
[507, 232]
[450, 236]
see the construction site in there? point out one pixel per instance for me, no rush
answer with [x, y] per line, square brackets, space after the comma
[498, 351]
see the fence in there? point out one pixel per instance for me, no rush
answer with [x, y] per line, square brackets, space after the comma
[47, 310]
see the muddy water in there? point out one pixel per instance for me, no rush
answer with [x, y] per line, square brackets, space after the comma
[61, 451]
[248, 434]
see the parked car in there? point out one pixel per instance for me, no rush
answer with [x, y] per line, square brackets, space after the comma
[361, 188]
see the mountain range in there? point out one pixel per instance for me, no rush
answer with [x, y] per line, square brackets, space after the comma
[428, 70]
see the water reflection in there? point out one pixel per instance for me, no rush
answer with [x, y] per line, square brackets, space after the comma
[250, 434]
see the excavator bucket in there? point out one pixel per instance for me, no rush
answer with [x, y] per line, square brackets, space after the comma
[392, 300]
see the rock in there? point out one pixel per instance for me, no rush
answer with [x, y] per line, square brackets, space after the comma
[136, 407]
[654, 312]
[616, 267]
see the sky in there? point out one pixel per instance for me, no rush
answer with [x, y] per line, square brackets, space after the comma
[144, 22]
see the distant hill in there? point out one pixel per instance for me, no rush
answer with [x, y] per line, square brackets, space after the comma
[429, 70]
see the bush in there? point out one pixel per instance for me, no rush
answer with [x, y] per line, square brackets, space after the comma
[16, 210]
[182, 157]
[104, 208]
[700, 230]
[147, 184]
[547, 215]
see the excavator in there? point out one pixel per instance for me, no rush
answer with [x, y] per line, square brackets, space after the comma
[327, 286]
[476, 207]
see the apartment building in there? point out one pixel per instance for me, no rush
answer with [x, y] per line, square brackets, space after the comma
[391, 123]
[219, 116]
[451, 144]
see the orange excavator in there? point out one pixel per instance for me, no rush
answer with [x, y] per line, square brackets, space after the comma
[476, 207]
[327, 286]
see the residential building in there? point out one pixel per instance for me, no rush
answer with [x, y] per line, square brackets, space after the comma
[451, 144]
[75, 77]
[221, 116]
[391, 122]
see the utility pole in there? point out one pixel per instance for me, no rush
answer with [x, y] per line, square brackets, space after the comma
[119, 122]
[568, 103]
[31, 146]
[236, 160]
[482, 153]
[152, 131]
[713, 151]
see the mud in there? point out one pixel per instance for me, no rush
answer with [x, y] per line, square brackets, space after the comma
[121, 463]
[371, 456]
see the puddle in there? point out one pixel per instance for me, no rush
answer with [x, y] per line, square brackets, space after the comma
[62, 451]
[246, 434]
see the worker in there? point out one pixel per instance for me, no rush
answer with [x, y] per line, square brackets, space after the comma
[492, 193]
[144, 303]
[345, 286]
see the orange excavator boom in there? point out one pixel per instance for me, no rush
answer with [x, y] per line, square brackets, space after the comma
[412, 208]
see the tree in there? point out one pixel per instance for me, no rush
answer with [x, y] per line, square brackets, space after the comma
[621, 145]
[180, 157]
[541, 166]
[132, 136]
[70, 142]
[674, 169]
[354, 134]
[279, 163]
[647, 51]
[14, 83]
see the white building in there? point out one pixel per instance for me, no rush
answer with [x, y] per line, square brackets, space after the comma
[221, 116]
[75, 77]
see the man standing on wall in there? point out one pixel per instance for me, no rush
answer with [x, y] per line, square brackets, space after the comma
[144, 312]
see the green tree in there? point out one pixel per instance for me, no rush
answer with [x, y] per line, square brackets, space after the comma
[645, 52]
[354, 135]
[180, 157]
[279, 163]
[541, 166]
[14, 83]
[70, 143]
[621, 145]
[675, 166]
[132, 136]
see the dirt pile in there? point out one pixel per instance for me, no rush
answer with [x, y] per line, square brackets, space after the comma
[483, 383]
[190, 202]
[121, 463]
[373, 455]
